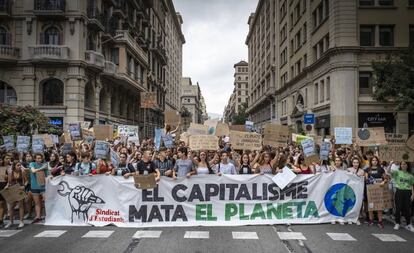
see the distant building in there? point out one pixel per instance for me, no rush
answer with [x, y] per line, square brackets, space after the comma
[192, 99]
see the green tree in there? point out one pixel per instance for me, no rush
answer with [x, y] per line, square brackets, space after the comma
[24, 120]
[241, 117]
[393, 80]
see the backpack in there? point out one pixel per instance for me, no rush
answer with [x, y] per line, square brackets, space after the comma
[80, 167]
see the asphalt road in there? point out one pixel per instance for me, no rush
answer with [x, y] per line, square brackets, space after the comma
[299, 238]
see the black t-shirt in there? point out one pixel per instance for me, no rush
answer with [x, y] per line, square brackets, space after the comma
[374, 175]
[245, 169]
[123, 169]
[149, 167]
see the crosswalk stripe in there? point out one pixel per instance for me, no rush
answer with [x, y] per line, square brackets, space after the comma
[389, 238]
[197, 234]
[8, 233]
[51, 233]
[245, 235]
[98, 234]
[291, 236]
[147, 234]
[341, 237]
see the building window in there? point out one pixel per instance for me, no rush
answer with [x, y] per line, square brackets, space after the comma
[366, 2]
[7, 94]
[51, 36]
[411, 35]
[316, 93]
[52, 92]
[365, 83]
[322, 92]
[386, 35]
[328, 88]
[4, 36]
[305, 31]
[367, 35]
[386, 2]
[89, 96]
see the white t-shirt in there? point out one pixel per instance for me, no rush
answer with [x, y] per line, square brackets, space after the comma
[227, 168]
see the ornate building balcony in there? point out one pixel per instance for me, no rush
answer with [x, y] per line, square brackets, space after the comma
[49, 8]
[96, 18]
[95, 59]
[49, 53]
[110, 68]
[123, 36]
[9, 53]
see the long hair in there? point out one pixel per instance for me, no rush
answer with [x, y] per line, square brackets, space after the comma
[262, 158]
[11, 177]
[248, 159]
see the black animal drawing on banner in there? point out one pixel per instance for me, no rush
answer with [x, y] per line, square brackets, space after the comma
[80, 199]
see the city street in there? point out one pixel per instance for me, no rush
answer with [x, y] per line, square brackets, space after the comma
[278, 238]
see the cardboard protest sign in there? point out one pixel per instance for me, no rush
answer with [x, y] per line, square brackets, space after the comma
[212, 126]
[22, 144]
[88, 136]
[148, 99]
[245, 141]
[41, 177]
[85, 124]
[103, 132]
[410, 143]
[396, 139]
[379, 197]
[54, 138]
[3, 170]
[308, 147]
[299, 138]
[47, 140]
[325, 149]
[75, 131]
[145, 181]
[185, 137]
[172, 117]
[101, 149]
[38, 144]
[66, 138]
[197, 129]
[343, 135]
[66, 148]
[157, 138]
[311, 159]
[203, 142]
[275, 135]
[396, 153]
[13, 194]
[8, 142]
[130, 132]
[370, 136]
[240, 128]
[222, 129]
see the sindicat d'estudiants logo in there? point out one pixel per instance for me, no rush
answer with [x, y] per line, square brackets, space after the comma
[339, 199]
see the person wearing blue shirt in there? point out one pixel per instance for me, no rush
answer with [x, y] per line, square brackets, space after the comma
[38, 174]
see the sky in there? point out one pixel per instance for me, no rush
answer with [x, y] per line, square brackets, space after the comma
[215, 32]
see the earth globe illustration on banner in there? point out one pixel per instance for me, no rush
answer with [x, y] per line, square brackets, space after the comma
[339, 199]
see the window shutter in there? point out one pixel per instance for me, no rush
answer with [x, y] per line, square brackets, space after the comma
[42, 38]
[60, 38]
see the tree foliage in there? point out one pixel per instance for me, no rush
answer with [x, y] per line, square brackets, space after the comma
[393, 80]
[24, 120]
[241, 117]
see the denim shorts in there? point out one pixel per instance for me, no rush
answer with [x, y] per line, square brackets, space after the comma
[37, 191]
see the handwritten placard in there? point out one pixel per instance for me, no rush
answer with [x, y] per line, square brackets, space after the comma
[308, 146]
[13, 193]
[67, 148]
[379, 197]
[103, 132]
[370, 136]
[396, 139]
[343, 135]
[148, 99]
[203, 142]
[245, 141]
[197, 129]
[325, 149]
[410, 143]
[275, 135]
[23, 144]
[240, 128]
[299, 138]
[222, 129]
[101, 149]
[172, 117]
[38, 144]
[396, 153]
[212, 126]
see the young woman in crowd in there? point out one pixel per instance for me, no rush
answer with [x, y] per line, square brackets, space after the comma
[124, 168]
[374, 174]
[38, 173]
[15, 177]
[300, 167]
[202, 166]
[103, 167]
[53, 163]
[69, 166]
[245, 165]
[404, 184]
[224, 166]
[4, 167]
[265, 165]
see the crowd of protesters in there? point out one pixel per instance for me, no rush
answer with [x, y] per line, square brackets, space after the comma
[28, 169]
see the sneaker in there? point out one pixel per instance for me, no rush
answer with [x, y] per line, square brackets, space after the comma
[333, 222]
[36, 220]
[397, 226]
[21, 224]
[341, 223]
[358, 223]
[410, 228]
[350, 223]
[370, 223]
[8, 224]
[380, 225]
[27, 216]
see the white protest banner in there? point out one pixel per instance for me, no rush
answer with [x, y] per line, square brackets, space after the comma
[343, 135]
[203, 201]
[245, 140]
[308, 146]
[396, 139]
[203, 142]
[222, 129]
[284, 178]
[197, 129]
[374, 136]
[23, 144]
[275, 135]
[8, 141]
[38, 144]
[101, 149]
[75, 131]
[325, 149]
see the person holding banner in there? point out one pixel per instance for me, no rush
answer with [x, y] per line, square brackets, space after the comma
[404, 183]
[183, 165]
[53, 163]
[70, 164]
[146, 166]
[202, 167]
[124, 168]
[245, 165]
[358, 171]
[224, 166]
[85, 166]
[266, 165]
[164, 165]
[102, 167]
[168, 137]
[38, 173]
[374, 174]
[15, 176]
[299, 167]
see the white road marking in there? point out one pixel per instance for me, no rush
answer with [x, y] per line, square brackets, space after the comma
[98, 234]
[51, 233]
[8, 233]
[389, 238]
[245, 235]
[197, 234]
[341, 237]
[291, 236]
[147, 234]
